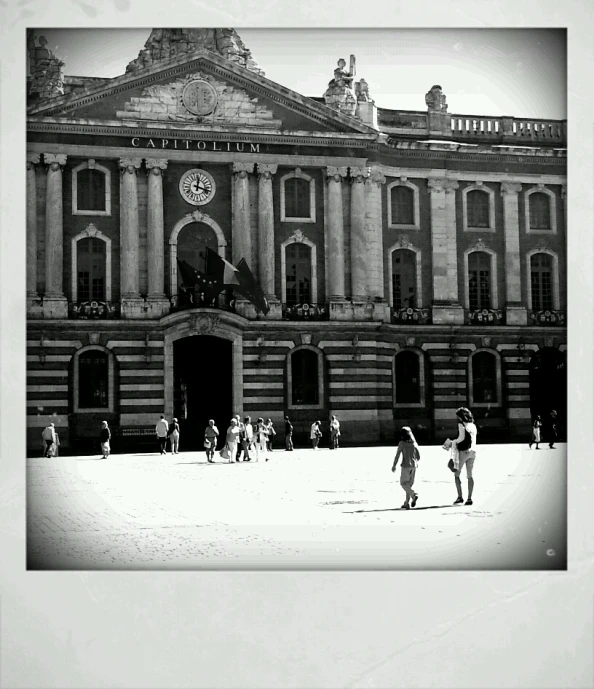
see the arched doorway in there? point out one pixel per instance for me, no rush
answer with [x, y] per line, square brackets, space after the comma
[202, 386]
[548, 385]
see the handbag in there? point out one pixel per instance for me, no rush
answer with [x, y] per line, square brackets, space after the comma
[451, 466]
[225, 454]
[207, 443]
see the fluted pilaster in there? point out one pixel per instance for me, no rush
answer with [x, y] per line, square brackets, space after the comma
[335, 248]
[54, 227]
[32, 162]
[156, 264]
[242, 232]
[511, 227]
[129, 241]
[374, 239]
[266, 229]
[360, 257]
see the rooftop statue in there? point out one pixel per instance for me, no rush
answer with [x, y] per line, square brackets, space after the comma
[362, 91]
[436, 100]
[340, 94]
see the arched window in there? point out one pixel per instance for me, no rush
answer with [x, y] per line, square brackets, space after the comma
[541, 281]
[407, 378]
[477, 208]
[402, 205]
[305, 378]
[404, 278]
[479, 280]
[297, 197]
[91, 268]
[91, 193]
[298, 275]
[484, 378]
[297, 201]
[540, 211]
[93, 380]
[192, 242]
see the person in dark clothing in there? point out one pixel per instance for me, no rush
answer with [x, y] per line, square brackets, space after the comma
[288, 435]
[552, 429]
[104, 438]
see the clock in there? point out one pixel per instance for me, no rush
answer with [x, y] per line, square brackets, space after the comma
[197, 187]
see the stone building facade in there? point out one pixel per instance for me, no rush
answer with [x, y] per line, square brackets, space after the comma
[413, 262]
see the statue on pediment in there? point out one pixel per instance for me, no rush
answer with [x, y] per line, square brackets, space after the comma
[362, 91]
[340, 94]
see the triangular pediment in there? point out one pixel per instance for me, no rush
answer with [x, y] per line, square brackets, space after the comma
[181, 92]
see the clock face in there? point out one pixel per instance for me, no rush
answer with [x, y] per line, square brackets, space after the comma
[197, 187]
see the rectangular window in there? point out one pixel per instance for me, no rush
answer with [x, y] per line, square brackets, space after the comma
[403, 210]
[91, 270]
[477, 208]
[297, 198]
[298, 274]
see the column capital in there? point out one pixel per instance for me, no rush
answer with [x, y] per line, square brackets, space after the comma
[55, 160]
[359, 174]
[436, 184]
[266, 170]
[450, 186]
[155, 165]
[510, 188]
[32, 160]
[336, 174]
[130, 165]
[243, 169]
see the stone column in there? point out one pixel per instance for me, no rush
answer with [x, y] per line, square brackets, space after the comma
[515, 310]
[157, 302]
[129, 243]
[32, 162]
[335, 248]
[360, 257]
[54, 301]
[446, 309]
[266, 248]
[242, 231]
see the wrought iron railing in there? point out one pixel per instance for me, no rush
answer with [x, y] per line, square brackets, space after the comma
[93, 310]
[411, 316]
[548, 317]
[186, 300]
[484, 317]
[305, 312]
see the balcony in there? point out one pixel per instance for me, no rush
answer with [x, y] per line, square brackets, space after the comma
[483, 317]
[411, 316]
[93, 310]
[548, 318]
[305, 312]
[190, 300]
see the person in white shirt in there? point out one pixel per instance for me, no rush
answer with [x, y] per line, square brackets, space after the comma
[162, 428]
[466, 446]
[49, 435]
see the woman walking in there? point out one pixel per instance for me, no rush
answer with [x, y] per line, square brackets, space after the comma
[315, 434]
[249, 441]
[261, 437]
[210, 440]
[232, 438]
[174, 435]
[408, 448]
[536, 426]
[104, 438]
[466, 446]
[334, 433]
[271, 434]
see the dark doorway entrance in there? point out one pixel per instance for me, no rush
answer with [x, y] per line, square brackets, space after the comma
[548, 385]
[202, 380]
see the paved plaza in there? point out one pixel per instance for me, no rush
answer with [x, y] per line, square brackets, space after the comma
[300, 510]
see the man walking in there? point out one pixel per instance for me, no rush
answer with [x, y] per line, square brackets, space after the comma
[49, 436]
[162, 428]
[288, 435]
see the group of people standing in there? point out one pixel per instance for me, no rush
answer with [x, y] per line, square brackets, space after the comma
[168, 431]
[315, 433]
[244, 440]
[462, 454]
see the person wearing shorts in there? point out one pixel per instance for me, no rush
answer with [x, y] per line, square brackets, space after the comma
[466, 446]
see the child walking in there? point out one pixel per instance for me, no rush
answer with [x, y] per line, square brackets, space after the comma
[408, 448]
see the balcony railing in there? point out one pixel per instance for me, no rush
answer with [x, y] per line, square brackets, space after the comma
[189, 300]
[305, 312]
[411, 316]
[94, 310]
[483, 317]
[548, 318]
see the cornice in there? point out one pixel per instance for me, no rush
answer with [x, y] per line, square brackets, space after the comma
[215, 65]
[330, 139]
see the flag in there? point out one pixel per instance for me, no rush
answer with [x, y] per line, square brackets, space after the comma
[199, 282]
[220, 269]
[249, 287]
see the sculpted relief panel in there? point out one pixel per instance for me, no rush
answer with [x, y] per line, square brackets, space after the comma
[198, 97]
